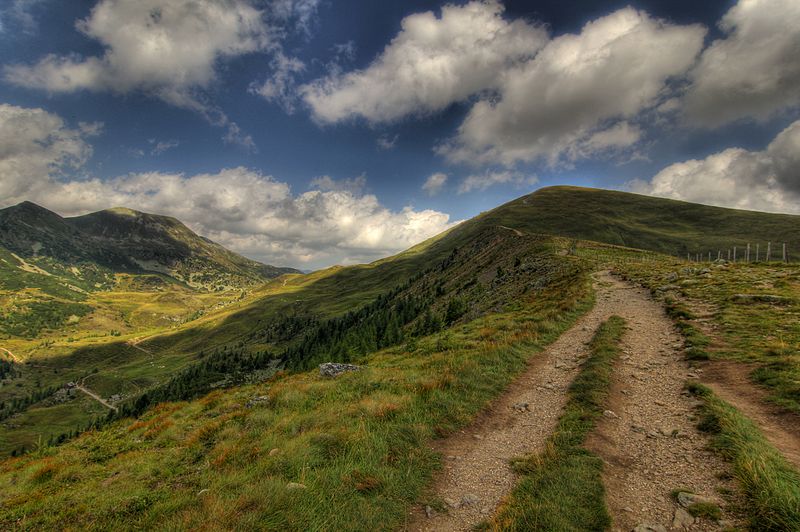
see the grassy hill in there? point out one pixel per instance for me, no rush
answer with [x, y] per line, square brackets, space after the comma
[605, 216]
[442, 326]
[645, 222]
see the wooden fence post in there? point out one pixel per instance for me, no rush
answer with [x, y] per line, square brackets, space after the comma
[769, 250]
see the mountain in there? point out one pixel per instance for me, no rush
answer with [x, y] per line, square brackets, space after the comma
[124, 240]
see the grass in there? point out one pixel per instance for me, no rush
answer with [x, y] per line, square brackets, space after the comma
[770, 484]
[561, 488]
[644, 222]
[360, 443]
[751, 313]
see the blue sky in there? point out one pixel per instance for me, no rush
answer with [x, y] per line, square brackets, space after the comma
[314, 132]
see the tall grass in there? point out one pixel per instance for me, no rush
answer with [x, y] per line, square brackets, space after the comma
[771, 485]
[561, 488]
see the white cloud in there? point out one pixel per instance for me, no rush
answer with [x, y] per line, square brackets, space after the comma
[166, 48]
[754, 71]
[760, 180]
[19, 14]
[242, 209]
[281, 87]
[35, 144]
[433, 185]
[488, 179]
[577, 92]
[326, 183]
[386, 142]
[433, 62]
[163, 145]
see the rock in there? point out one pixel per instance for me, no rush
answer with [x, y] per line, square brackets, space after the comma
[257, 400]
[687, 499]
[469, 499]
[295, 486]
[429, 513]
[610, 414]
[682, 519]
[452, 503]
[273, 452]
[649, 528]
[521, 407]
[334, 369]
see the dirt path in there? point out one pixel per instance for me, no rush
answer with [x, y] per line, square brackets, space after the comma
[96, 397]
[649, 441]
[134, 342]
[476, 474]
[9, 353]
[731, 381]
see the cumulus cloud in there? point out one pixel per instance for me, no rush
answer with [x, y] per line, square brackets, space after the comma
[577, 92]
[433, 62]
[754, 70]
[761, 180]
[489, 178]
[167, 48]
[354, 185]
[433, 185]
[241, 208]
[35, 144]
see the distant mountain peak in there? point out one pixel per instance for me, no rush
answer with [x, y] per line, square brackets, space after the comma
[125, 240]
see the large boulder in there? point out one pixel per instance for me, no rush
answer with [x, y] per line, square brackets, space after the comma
[334, 369]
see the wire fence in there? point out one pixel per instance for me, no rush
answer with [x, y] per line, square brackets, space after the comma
[772, 252]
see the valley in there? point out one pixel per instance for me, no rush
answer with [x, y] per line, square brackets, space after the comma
[492, 351]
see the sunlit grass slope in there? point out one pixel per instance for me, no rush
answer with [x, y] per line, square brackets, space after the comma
[304, 452]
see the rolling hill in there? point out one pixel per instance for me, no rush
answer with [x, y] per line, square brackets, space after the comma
[441, 328]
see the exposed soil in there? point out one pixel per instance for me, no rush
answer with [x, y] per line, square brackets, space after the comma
[649, 442]
[10, 354]
[731, 381]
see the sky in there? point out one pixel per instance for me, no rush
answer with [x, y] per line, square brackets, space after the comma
[308, 133]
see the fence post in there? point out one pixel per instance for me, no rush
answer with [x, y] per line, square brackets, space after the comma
[747, 253]
[784, 252]
[769, 250]
[756, 252]
[734, 254]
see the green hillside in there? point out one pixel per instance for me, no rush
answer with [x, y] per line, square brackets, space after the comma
[124, 240]
[441, 327]
[644, 222]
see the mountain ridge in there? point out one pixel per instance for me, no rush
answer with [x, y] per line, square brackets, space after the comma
[126, 240]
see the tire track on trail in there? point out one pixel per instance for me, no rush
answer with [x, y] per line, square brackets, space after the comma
[648, 437]
[477, 474]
